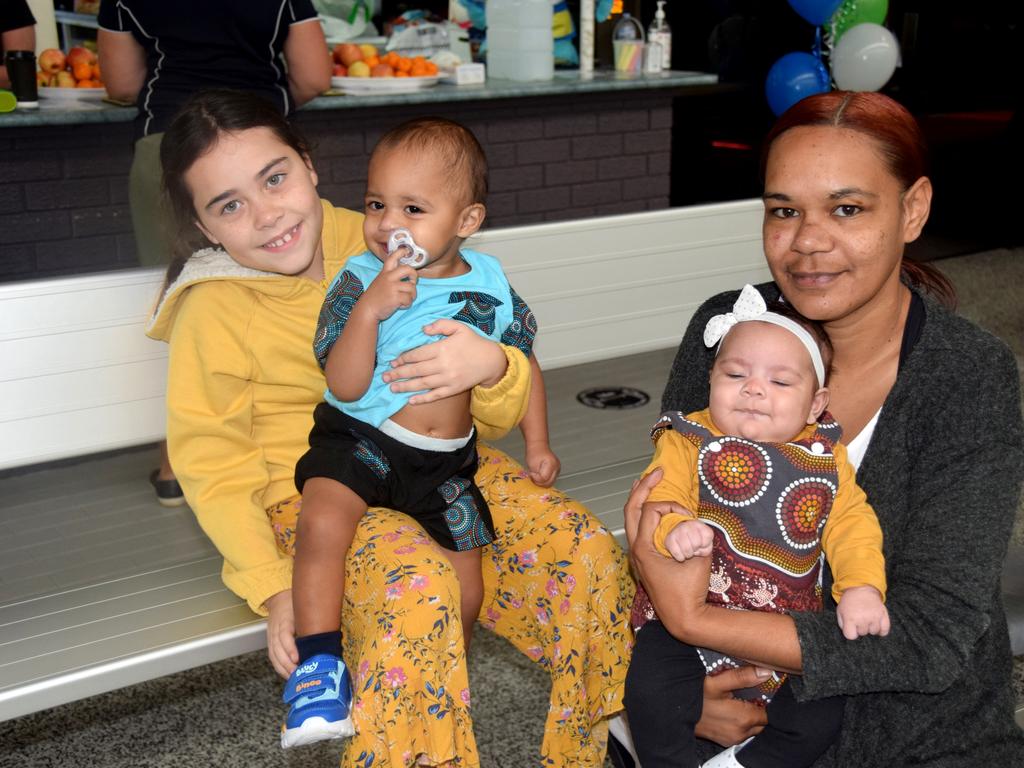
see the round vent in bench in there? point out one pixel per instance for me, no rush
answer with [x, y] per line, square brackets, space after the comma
[613, 397]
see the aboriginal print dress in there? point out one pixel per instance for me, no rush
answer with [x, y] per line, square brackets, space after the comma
[767, 504]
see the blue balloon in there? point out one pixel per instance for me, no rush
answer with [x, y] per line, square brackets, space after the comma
[816, 11]
[793, 77]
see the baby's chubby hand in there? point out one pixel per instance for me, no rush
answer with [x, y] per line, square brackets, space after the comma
[862, 612]
[541, 463]
[392, 289]
[691, 538]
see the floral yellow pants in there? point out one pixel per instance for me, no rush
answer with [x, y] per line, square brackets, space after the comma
[556, 585]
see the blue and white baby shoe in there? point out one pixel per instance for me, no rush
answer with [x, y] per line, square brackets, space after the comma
[320, 697]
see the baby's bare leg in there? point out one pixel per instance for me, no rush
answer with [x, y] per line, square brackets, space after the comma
[471, 585]
[327, 523]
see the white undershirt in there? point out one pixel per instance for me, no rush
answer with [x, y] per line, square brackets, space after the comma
[858, 446]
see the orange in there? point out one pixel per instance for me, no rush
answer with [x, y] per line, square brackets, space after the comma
[87, 83]
[96, 71]
[400, 73]
[404, 64]
[431, 68]
[372, 61]
[82, 70]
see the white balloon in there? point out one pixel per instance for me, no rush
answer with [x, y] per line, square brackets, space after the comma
[864, 58]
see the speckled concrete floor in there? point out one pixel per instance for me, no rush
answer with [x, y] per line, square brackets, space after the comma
[224, 715]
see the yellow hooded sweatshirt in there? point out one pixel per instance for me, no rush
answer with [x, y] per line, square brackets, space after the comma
[241, 388]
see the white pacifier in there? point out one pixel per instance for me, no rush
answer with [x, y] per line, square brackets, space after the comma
[402, 238]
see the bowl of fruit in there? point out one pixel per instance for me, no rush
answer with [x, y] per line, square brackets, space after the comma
[364, 69]
[74, 75]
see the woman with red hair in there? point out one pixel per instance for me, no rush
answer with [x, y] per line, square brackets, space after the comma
[930, 408]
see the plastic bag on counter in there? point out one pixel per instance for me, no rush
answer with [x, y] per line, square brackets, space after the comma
[415, 34]
[345, 19]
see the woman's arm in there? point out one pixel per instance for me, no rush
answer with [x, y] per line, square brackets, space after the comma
[308, 60]
[123, 63]
[950, 474]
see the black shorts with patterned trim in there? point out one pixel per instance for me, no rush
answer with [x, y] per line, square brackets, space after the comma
[436, 488]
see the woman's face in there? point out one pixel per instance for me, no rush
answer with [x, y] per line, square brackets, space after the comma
[836, 221]
[256, 197]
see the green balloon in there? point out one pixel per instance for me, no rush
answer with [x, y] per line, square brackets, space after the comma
[854, 12]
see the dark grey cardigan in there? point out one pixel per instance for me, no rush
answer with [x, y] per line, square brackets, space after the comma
[943, 472]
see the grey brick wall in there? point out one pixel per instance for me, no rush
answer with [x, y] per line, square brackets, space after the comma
[64, 189]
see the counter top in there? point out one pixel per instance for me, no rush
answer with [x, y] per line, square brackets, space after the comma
[53, 112]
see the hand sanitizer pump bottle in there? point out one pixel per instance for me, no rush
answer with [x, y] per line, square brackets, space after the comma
[660, 33]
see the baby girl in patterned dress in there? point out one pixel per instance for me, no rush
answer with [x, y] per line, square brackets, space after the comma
[760, 483]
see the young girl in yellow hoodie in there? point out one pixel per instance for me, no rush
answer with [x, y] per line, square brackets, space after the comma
[239, 315]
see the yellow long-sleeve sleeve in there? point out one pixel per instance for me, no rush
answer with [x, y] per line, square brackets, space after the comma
[852, 538]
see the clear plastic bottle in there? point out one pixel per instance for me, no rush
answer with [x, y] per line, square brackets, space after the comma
[628, 46]
[660, 33]
[520, 43]
[652, 58]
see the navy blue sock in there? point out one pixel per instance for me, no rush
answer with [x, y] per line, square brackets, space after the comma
[324, 642]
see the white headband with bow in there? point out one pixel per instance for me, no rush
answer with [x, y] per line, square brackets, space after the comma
[750, 306]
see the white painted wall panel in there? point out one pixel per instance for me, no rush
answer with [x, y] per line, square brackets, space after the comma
[77, 373]
[621, 284]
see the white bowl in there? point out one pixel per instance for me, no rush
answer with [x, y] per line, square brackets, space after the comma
[372, 85]
[71, 94]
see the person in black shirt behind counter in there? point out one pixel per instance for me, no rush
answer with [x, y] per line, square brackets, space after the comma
[17, 32]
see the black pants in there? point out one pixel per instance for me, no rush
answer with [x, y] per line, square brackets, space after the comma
[665, 695]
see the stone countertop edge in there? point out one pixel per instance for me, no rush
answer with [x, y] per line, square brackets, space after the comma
[565, 82]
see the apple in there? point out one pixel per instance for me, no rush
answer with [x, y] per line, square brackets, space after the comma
[347, 54]
[359, 69]
[368, 50]
[43, 79]
[339, 70]
[52, 61]
[80, 55]
[382, 70]
[63, 79]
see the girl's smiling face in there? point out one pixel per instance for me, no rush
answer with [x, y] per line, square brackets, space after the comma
[256, 197]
